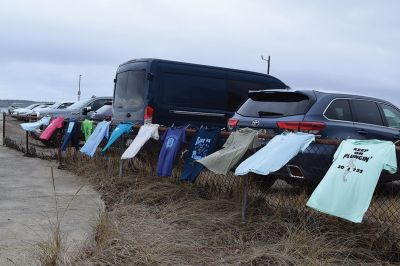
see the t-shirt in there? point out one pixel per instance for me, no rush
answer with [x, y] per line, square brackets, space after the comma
[71, 135]
[202, 145]
[54, 125]
[87, 128]
[101, 131]
[34, 125]
[278, 152]
[348, 186]
[121, 129]
[146, 132]
[220, 162]
[173, 138]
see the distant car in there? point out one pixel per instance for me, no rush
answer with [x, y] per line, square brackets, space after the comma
[79, 110]
[29, 108]
[57, 105]
[103, 113]
[23, 114]
[14, 106]
[329, 115]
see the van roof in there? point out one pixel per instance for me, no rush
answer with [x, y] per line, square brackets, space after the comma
[154, 60]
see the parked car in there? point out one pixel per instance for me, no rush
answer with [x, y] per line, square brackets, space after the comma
[328, 115]
[16, 112]
[168, 92]
[103, 113]
[22, 115]
[14, 106]
[55, 106]
[79, 110]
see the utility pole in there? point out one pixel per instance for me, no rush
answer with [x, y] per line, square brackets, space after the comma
[268, 62]
[79, 88]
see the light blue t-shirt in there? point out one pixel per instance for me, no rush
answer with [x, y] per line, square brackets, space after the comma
[122, 128]
[347, 188]
[101, 131]
[34, 125]
[278, 152]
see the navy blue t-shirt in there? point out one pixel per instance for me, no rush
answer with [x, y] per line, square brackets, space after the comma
[173, 138]
[71, 135]
[203, 144]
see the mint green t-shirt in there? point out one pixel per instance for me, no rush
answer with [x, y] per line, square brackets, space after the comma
[347, 188]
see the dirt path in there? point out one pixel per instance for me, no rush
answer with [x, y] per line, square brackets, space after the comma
[27, 206]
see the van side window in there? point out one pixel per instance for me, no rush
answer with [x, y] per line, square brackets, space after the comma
[367, 112]
[339, 110]
[392, 116]
[180, 90]
[238, 91]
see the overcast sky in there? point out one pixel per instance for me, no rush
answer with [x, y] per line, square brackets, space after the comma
[349, 46]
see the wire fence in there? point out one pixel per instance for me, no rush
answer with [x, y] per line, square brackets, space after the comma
[287, 189]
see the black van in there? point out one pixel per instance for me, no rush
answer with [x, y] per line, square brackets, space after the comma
[168, 92]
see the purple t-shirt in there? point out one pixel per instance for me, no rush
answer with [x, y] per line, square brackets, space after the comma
[173, 138]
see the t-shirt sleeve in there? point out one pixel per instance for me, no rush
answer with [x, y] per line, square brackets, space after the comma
[154, 134]
[307, 143]
[107, 132]
[164, 135]
[183, 136]
[60, 123]
[256, 141]
[337, 152]
[390, 163]
[228, 141]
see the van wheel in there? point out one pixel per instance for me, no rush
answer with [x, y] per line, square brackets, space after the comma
[263, 182]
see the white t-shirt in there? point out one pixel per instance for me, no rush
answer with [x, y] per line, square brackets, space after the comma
[146, 132]
[278, 152]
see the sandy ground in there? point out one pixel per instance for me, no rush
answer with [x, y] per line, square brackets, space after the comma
[28, 206]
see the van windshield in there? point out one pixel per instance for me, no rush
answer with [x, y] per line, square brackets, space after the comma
[129, 90]
[275, 104]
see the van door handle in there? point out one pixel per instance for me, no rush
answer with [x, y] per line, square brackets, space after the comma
[362, 132]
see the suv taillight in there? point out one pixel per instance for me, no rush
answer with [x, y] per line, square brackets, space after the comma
[148, 115]
[312, 127]
[232, 123]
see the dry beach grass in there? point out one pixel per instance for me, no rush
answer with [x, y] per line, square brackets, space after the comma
[158, 221]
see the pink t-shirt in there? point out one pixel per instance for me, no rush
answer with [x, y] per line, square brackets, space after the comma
[49, 131]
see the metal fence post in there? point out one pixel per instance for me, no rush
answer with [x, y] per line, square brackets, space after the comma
[121, 162]
[26, 143]
[4, 128]
[244, 199]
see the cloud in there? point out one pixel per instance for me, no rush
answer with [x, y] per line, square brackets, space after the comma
[337, 45]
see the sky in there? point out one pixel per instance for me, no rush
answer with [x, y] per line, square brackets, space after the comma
[347, 46]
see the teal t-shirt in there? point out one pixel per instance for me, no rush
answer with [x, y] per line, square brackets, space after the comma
[347, 188]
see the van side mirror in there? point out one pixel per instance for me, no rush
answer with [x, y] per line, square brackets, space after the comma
[115, 80]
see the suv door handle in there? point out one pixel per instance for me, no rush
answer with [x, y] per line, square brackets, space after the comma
[362, 132]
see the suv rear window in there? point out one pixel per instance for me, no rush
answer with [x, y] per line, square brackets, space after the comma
[275, 104]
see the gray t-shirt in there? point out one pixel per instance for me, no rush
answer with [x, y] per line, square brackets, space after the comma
[234, 149]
